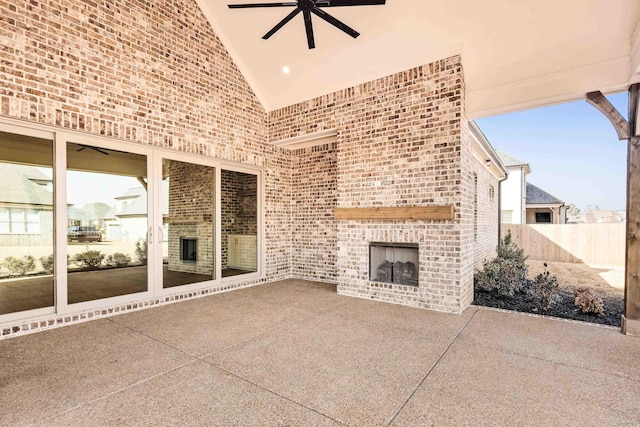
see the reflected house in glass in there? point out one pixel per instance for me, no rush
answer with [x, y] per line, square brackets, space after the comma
[26, 214]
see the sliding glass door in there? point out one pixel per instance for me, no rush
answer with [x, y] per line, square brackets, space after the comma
[88, 222]
[107, 222]
[26, 222]
[239, 220]
[188, 223]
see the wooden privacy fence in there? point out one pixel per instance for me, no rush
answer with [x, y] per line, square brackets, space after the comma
[600, 244]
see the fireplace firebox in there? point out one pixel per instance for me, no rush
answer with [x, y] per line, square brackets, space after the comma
[394, 263]
[189, 249]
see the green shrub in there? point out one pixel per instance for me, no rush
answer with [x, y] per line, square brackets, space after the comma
[588, 301]
[507, 273]
[19, 266]
[544, 289]
[141, 250]
[507, 249]
[118, 259]
[89, 259]
[47, 263]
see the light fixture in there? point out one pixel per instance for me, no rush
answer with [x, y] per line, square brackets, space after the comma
[286, 70]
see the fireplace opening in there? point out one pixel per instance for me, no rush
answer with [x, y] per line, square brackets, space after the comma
[395, 263]
[189, 249]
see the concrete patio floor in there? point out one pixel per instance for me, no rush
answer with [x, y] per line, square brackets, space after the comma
[296, 353]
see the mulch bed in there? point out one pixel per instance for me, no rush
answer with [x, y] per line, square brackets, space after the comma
[564, 308]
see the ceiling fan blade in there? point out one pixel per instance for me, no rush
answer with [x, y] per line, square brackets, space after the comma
[336, 23]
[309, 27]
[99, 150]
[336, 3]
[281, 24]
[248, 5]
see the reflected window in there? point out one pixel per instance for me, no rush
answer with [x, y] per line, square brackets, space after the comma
[189, 223]
[107, 223]
[26, 223]
[239, 223]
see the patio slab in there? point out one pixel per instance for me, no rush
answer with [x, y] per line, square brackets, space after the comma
[295, 353]
[476, 385]
[205, 325]
[577, 344]
[195, 394]
[49, 372]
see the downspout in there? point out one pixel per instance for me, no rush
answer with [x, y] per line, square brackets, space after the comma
[500, 207]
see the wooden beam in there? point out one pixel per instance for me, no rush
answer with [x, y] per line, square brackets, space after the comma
[417, 212]
[598, 100]
[631, 318]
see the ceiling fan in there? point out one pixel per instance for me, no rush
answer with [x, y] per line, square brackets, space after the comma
[307, 7]
[99, 150]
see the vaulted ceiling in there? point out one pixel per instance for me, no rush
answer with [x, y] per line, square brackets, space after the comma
[516, 54]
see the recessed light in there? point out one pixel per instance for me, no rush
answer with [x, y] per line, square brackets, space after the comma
[286, 70]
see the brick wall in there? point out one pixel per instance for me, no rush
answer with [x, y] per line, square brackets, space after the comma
[313, 198]
[239, 208]
[152, 73]
[191, 213]
[400, 143]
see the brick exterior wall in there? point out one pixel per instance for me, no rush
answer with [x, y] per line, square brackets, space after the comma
[151, 73]
[313, 228]
[191, 214]
[239, 209]
[154, 73]
[401, 142]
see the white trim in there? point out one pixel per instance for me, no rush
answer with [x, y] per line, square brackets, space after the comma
[484, 153]
[548, 89]
[309, 140]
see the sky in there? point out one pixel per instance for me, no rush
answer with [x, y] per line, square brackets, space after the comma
[86, 187]
[572, 149]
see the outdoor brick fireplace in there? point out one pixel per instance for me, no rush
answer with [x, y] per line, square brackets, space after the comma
[394, 263]
[189, 249]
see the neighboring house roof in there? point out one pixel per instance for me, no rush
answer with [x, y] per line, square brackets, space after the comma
[18, 187]
[138, 206]
[96, 210]
[511, 162]
[132, 193]
[602, 217]
[537, 196]
[75, 213]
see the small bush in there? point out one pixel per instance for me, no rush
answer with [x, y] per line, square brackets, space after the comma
[141, 251]
[118, 259]
[19, 266]
[544, 289]
[588, 301]
[507, 249]
[47, 263]
[507, 273]
[89, 259]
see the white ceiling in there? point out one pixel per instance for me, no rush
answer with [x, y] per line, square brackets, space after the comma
[516, 54]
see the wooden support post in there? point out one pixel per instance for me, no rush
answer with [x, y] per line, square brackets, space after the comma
[630, 131]
[631, 317]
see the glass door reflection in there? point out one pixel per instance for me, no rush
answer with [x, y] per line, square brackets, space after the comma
[26, 223]
[188, 223]
[107, 223]
[239, 218]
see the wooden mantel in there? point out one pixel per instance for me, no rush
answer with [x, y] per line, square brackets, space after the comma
[413, 212]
